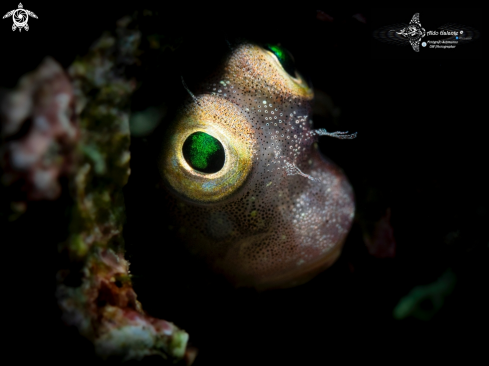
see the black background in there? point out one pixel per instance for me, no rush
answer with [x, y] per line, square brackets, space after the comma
[421, 152]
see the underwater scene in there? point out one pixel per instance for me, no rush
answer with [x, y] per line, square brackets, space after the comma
[219, 187]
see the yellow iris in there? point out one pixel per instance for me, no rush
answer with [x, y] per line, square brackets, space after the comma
[220, 120]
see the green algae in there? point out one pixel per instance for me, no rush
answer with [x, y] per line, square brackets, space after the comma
[423, 302]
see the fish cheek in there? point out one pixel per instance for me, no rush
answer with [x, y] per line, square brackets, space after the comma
[307, 223]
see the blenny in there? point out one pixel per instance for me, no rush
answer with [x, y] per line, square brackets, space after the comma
[248, 189]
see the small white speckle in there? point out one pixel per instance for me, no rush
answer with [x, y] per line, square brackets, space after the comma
[43, 178]
[41, 123]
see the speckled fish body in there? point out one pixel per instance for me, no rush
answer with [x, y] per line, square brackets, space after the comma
[277, 213]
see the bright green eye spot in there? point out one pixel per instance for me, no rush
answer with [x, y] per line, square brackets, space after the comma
[277, 51]
[203, 152]
[285, 58]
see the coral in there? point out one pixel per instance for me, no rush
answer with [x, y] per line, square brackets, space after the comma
[78, 129]
[379, 239]
[38, 132]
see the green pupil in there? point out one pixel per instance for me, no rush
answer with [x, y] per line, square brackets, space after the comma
[284, 57]
[203, 152]
[277, 51]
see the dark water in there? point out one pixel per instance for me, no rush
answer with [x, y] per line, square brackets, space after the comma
[420, 153]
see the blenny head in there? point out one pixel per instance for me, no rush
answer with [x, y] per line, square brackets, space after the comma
[248, 189]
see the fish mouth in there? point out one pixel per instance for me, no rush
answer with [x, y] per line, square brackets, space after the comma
[240, 273]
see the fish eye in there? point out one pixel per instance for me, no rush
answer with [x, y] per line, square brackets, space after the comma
[203, 152]
[207, 150]
[285, 65]
[284, 57]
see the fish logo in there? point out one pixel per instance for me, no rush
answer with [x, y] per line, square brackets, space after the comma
[413, 32]
[20, 17]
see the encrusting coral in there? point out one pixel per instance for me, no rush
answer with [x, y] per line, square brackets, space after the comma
[75, 126]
